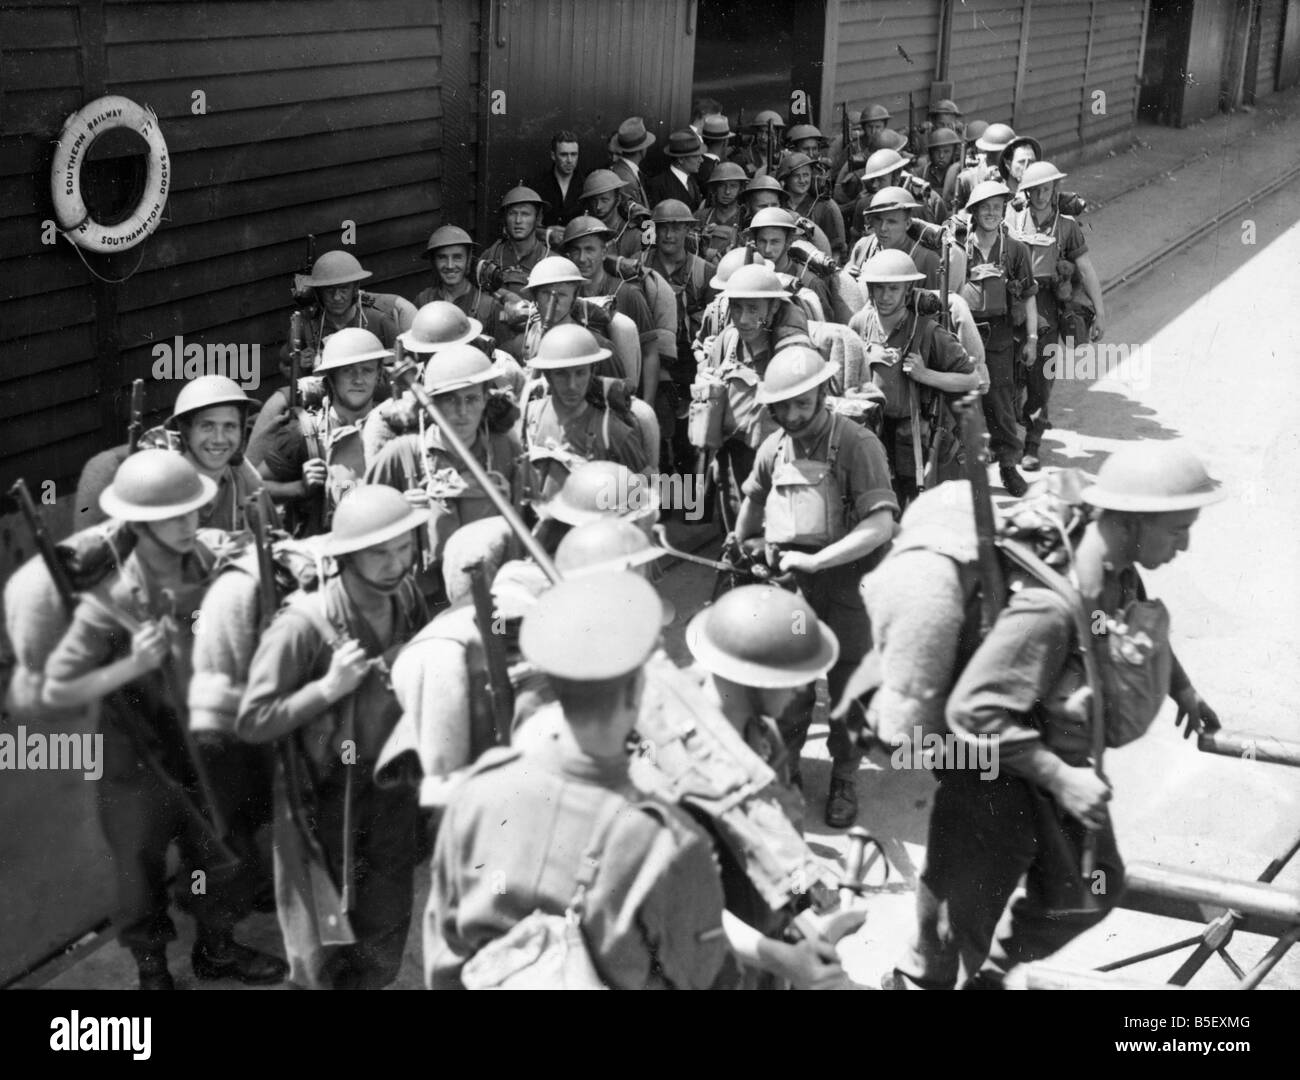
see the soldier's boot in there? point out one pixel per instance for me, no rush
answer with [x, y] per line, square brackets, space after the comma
[1012, 480]
[220, 956]
[842, 802]
[152, 964]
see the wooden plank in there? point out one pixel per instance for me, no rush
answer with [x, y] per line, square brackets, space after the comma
[25, 316]
[39, 111]
[171, 98]
[186, 21]
[145, 63]
[39, 28]
[36, 351]
[50, 425]
[60, 462]
[41, 69]
[47, 388]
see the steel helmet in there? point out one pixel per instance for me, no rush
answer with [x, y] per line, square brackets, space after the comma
[600, 181]
[582, 226]
[437, 325]
[896, 141]
[351, 345]
[672, 211]
[601, 489]
[766, 183]
[206, 392]
[368, 515]
[882, 163]
[792, 163]
[1153, 478]
[456, 367]
[987, 189]
[755, 282]
[155, 485]
[1004, 158]
[605, 544]
[875, 111]
[765, 117]
[553, 270]
[732, 261]
[517, 195]
[944, 105]
[794, 370]
[974, 129]
[762, 637]
[448, 236]
[1040, 172]
[568, 345]
[772, 217]
[728, 170]
[891, 198]
[994, 137]
[944, 136]
[336, 268]
[886, 267]
[592, 629]
[803, 131]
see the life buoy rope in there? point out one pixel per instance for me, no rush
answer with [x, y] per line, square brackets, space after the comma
[75, 139]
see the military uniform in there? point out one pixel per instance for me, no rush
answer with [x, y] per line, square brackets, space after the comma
[552, 449]
[927, 262]
[294, 652]
[475, 303]
[301, 436]
[823, 213]
[509, 256]
[855, 486]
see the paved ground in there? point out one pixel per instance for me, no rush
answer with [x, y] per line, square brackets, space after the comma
[1216, 321]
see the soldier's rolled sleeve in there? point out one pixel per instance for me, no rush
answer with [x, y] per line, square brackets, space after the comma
[282, 694]
[864, 466]
[90, 642]
[948, 355]
[1015, 667]
[1072, 240]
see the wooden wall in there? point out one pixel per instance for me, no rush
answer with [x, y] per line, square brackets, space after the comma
[318, 112]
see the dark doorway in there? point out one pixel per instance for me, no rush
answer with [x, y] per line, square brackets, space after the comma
[1164, 62]
[753, 54]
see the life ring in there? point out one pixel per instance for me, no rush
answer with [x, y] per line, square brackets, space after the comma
[79, 131]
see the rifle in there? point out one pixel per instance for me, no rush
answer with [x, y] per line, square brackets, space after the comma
[911, 125]
[976, 440]
[136, 427]
[502, 694]
[846, 134]
[211, 822]
[297, 343]
[914, 410]
[331, 915]
[771, 148]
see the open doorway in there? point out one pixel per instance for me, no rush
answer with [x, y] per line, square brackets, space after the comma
[752, 54]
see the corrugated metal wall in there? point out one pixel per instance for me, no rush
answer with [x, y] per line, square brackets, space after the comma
[882, 51]
[317, 113]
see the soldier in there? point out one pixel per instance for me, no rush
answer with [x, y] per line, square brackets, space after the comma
[772, 232]
[142, 675]
[796, 172]
[340, 303]
[875, 121]
[523, 240]
[941, 164]
[553, 286]
[754, 157]
[914, 362]
[999, 275]
[647, 895]
[689, 276]
[819, 495]
[314, 458]
[572, 421]
[888, 221]
[944, 114]
[762, 320]
[1050, 236]
[561, 185]
[680, 180]
[585, 240]
[716, 132]
[320, 678]
[451, 250]
[885, 168]
[989, 145]
[600, 199]
[628, 147]
[720, 215]
[431, 475]
[1018, 691]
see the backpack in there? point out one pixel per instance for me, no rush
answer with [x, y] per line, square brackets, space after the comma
[544, 951]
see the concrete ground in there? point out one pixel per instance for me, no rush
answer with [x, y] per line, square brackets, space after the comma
[1215, 319]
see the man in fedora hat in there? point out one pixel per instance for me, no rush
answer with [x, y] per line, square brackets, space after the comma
[628, 147]
[648, 895]
[716, 132]
[320, 678]
[679, 181]
[1020, 690]
[142, 676]
[561, 185]
[523, 240]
